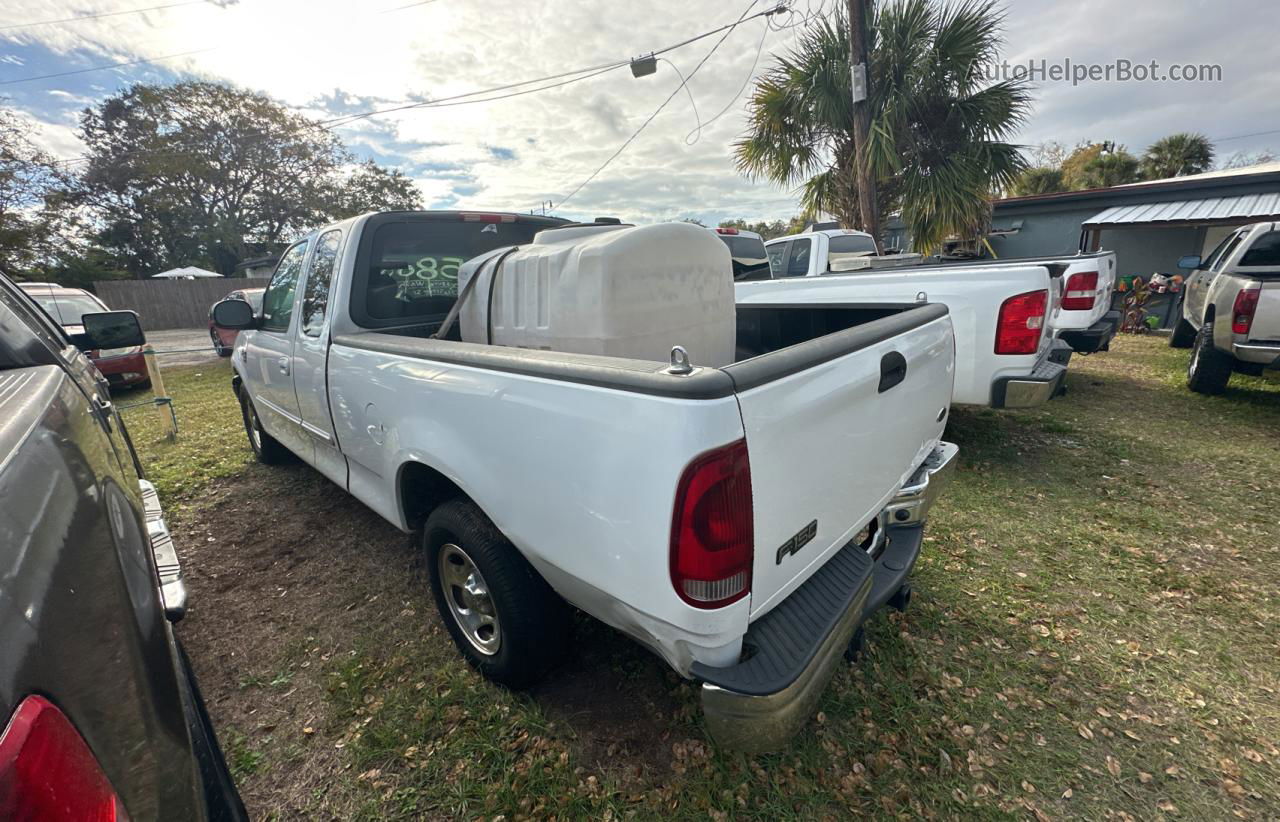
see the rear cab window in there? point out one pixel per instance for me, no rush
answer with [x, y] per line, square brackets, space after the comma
[407, 264]
[1265, 251]
[777, 258]
[750, 261]
[843, 246]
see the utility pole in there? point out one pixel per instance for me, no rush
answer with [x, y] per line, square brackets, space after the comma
[862, 118]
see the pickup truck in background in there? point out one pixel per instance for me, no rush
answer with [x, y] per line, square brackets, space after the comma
[1081, 314]
[741, 522]
[747, 253]
[1006, 354]
[1230, 314]
[99, 707]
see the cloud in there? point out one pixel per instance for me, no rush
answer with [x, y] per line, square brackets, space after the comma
[329, 62]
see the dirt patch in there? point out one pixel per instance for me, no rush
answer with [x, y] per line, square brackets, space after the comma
[288, 574]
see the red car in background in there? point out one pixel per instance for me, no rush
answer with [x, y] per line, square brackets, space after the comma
[123, 367]
[224, 339]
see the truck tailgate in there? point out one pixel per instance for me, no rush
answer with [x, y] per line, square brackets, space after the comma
[1266, 319]
[834, 426]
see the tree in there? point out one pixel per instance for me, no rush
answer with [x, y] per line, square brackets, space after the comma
[1073, 168]
[768, 230]
[1243, 159]
[1114, 168]
[30, 216]
[938, 128]
[1177, 155]
[1038, 180]
[201, 173]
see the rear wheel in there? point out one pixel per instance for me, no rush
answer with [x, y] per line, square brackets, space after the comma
[1209, 369]
[265, 447]
[503, 617]
[1183, 336]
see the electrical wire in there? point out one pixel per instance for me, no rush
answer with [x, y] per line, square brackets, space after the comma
[600, 68]
[108, 14]
[102, 68]
[1243, 136]
[697, 132]
[727, 31]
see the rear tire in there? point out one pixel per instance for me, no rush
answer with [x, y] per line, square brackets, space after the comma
[503, 617]
[1209, 369]
[1183, 336]
[265, 447]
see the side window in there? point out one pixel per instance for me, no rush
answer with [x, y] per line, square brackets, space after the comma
[315, 294]
[777, 255]
[277, 302]
[798, 258]
[1265, 251]
[1226, 253]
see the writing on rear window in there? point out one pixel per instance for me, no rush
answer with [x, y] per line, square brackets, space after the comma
[430, 276]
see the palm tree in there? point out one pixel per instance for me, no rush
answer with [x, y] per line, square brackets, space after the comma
[1176, 155]
[937, 144]
[1039, 180]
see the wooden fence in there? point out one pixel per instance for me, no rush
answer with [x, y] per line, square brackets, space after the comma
[171, 303]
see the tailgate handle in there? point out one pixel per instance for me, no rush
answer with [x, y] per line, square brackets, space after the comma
[893, 370]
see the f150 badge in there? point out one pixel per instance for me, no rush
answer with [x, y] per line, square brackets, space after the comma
[800, 540]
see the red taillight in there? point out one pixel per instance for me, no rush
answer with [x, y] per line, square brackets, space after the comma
[1021, 322]
[1242, 312]
[712, 530]
[726, 231]
[1082, 289]
[47, 772]
[477, 217]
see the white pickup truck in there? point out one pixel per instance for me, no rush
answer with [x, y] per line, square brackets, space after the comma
[1016, 321]
[1230, 314]
[740, 521]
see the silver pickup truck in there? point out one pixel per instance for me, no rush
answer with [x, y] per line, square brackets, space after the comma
[1230, 317]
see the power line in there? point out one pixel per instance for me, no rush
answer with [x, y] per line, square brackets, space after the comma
[727, 31]
[1243, 136]
[601, 68]
[108, 66]
[104, 14]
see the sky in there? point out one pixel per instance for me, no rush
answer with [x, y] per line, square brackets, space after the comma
[326, 58]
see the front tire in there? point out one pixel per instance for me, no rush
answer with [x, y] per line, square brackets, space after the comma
[265, 447]
[1184, 334]
[1209, 369]
[503, 617]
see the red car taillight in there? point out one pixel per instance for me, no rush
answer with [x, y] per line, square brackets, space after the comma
[1082, 289]
[1021, 322]
[712, 529]
[1245, 307]
[47, 772]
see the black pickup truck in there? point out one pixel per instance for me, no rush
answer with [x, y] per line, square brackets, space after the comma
[101, 715]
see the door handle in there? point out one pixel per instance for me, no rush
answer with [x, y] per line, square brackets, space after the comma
[283, 363]
[893, 370]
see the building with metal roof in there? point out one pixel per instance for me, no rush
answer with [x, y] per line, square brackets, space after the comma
[1149, 224]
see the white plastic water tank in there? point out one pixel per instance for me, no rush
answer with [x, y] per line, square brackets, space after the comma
[616, 290]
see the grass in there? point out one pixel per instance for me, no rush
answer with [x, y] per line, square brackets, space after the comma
[210, 442]
[1093, 636]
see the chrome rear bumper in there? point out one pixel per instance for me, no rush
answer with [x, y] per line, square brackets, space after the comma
[760, 703]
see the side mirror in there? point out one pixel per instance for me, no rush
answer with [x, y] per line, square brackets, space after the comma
[110, 329]
[234, 314]
[1191, 262]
